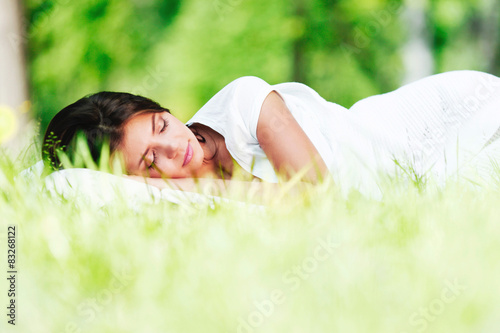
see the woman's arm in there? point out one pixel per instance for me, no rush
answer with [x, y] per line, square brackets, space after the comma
[286, 144]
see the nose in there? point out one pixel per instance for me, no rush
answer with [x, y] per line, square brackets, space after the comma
[171, 148]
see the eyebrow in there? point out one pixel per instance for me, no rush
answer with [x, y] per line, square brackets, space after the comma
[153, 122]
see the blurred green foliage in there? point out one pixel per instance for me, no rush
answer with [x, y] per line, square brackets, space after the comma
[181, 52]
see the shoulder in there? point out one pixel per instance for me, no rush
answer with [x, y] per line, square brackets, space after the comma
[241, 94]
[238, 89]
[234, 106]
[246, 83]
[249, 78]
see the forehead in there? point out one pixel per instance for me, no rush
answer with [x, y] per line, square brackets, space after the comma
[137, 133]
[142, 119]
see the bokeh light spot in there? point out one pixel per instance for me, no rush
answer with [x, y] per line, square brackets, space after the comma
[8, 123]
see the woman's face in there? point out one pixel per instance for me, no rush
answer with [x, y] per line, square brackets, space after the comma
[158, 144]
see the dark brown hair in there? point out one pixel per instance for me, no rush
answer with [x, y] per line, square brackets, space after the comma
[99, 118]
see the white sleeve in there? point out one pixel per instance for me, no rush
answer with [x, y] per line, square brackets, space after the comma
[240, 101]
[250, 94]
[234, 113]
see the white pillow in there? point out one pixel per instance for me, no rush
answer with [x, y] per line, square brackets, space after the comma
[101, 188]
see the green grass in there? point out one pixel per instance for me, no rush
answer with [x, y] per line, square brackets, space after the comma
[417, 261]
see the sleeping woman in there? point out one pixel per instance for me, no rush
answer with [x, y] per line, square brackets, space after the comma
[439, 126]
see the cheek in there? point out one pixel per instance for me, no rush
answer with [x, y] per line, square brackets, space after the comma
[198, 151]
[165, 168]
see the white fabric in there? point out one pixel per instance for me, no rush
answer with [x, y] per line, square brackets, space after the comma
[435, 126]
[101, 188]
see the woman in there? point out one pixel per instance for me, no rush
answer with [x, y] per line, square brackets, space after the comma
[277, 130]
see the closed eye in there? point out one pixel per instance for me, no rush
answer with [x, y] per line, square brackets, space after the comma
[153, 164]
[164, 127]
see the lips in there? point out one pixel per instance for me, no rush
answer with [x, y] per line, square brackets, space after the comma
[189, 154]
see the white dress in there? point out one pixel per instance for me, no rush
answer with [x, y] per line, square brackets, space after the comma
[438, 127]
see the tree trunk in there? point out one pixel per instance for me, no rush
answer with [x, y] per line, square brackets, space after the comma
[418, 59]
[15, 123]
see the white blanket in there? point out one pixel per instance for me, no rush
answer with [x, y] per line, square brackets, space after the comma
[442, 127]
